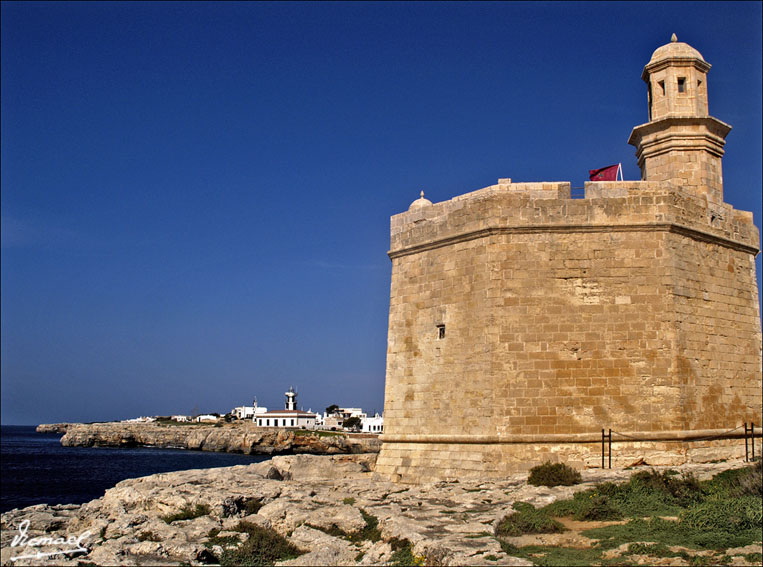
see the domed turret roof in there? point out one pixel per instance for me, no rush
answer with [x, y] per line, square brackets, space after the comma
[419, 203]
[675, 49]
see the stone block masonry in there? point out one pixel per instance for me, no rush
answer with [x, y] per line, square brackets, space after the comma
[523, 321]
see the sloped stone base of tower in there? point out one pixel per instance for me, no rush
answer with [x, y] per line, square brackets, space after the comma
[417, 463]
[422, 462]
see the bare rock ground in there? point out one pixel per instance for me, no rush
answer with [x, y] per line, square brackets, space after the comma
[301, 497]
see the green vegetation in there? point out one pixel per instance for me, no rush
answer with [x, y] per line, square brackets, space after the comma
[349, 501]
[712, 516]
[561, 556]
[263, 547]
[528, 520]
[215, 539]
[187, 513]
[368, 533]
[354, 423]
[305, 432]
[557, 474]
[403, 555]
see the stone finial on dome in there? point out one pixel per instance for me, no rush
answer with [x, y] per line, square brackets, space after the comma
[676, 49]
[420, 202]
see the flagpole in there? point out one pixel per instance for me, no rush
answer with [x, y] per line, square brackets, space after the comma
[620, 171]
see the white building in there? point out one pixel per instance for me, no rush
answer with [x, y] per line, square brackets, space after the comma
[288, 417]
[248, 412]
[206, 417]
[141, 419]
[340, 415]
[373, 424]
[181, 418]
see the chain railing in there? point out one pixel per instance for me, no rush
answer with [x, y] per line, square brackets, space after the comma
[606, 442]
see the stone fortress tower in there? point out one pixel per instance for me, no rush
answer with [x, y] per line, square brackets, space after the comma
[523, 321]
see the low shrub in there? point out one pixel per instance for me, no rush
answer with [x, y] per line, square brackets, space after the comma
[747, 481]
[647, 493]
[403, 555]
[371, 532]
[557, 474]
[528, 520]
[590, 505]
[683, 491]
[729, 515]
[263, 547]
[215, 539]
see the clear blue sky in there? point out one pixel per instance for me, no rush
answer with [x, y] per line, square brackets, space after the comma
[196, 197]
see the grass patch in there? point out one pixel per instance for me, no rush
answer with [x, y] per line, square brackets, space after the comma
[557, 474]
[714, 515]
[528, 520]
[651, 549]
[669, 532]
[349, 501]
[747, 481]
[370, 532]
[223, 542]
[187, 513]
[403, 555]
[263, 547]
[647, 493]
[553, 556]
[478, 536]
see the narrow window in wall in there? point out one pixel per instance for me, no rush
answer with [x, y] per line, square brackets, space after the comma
[681, 84]
[440, 332]
[662, 86]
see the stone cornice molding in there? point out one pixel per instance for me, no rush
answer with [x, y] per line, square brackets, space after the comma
[676, 61]
[715, 135]
[523, 438]
[605, 228]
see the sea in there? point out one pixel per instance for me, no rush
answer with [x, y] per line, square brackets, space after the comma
[36, 469]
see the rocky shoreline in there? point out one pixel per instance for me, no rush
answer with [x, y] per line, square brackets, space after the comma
[243, 438]
[192, 517]
[59, 428]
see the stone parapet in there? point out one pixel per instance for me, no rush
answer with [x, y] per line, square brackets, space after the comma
[548, 207]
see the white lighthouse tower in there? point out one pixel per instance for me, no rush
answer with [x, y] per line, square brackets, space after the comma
[291, 399]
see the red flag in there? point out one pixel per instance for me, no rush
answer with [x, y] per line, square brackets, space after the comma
[608, 173]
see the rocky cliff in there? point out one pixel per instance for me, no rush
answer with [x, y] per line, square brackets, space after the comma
[230, 438]
[59, 428]
[332, 508]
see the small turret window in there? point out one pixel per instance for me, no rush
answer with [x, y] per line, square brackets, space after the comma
[440, 331]
[681, 84]
[662, 86]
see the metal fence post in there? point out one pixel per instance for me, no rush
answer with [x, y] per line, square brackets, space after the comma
[610, 448]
